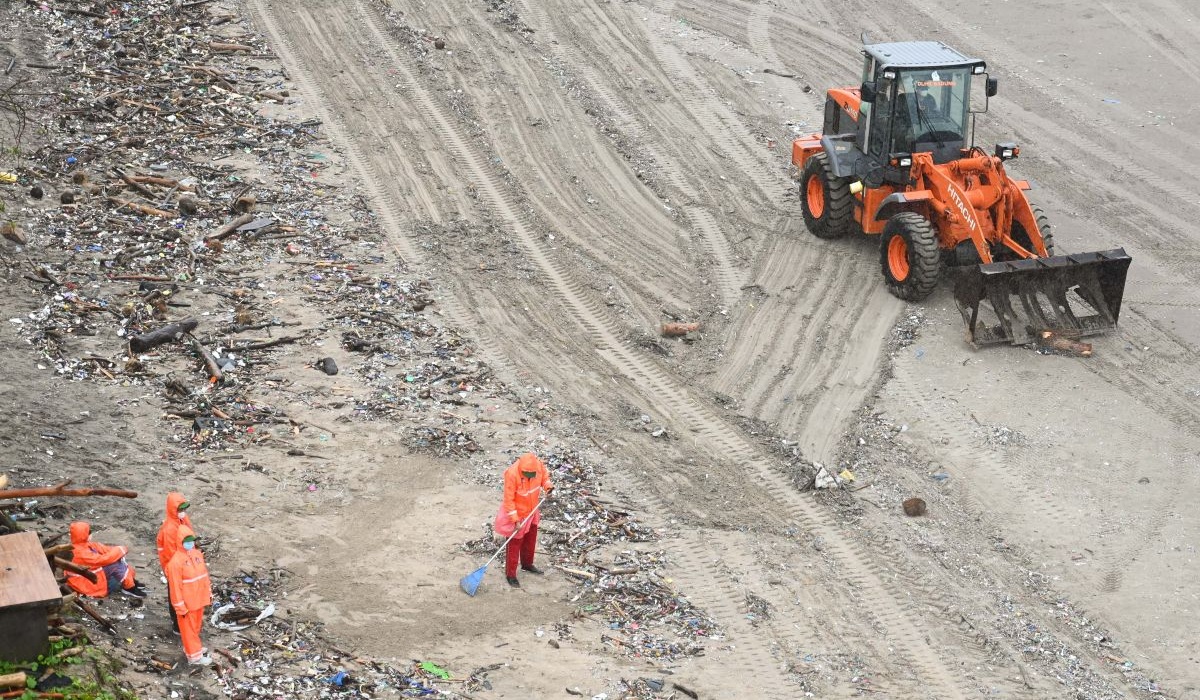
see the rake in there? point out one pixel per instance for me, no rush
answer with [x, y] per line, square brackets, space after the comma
[470, 582]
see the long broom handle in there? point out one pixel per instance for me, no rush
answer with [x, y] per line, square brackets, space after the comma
[516, 530]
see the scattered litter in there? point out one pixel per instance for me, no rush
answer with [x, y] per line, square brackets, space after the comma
[234, 617]
[824, 480]
[643, 614]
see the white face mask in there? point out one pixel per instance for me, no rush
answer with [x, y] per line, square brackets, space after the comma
[182, 514]
[189, 545]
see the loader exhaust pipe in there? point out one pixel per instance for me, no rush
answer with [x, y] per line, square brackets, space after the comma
[1075, 295]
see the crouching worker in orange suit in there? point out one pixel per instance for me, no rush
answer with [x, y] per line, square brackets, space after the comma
[190, 591]
[112, 572]
[524, 483]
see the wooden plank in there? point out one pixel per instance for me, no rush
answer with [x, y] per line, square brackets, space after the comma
[25, 576]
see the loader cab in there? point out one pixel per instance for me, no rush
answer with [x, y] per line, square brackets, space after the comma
[919, 100]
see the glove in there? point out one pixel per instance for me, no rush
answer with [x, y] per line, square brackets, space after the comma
[549, 490]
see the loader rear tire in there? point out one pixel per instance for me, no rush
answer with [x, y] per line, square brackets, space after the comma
[825, 200]
[910, 256]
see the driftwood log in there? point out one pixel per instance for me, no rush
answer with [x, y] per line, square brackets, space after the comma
[62, 490]
[282, 340]
[13, 680]
[230, 227]
[146, 191]
[75, 568]
[95, 615]
[677, 329]
[1065, 345]
[163, 182]
[158, 336]
[228, 655]
[223, 46]
[142, 208]
[214, 370]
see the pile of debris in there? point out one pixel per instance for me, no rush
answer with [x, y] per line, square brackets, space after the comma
[162, 265]
[645, 615]
[1001, 436]
[275, 657]
[907, 329]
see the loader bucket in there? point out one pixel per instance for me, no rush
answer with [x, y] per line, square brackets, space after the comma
[1074, 295]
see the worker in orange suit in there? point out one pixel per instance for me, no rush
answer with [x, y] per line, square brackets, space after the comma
[525, 483]
[106, 562]
[168, 538]
[190, 591]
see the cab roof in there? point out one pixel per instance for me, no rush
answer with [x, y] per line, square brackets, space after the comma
[917, 54]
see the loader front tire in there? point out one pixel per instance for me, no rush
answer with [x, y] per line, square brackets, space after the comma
[825, 200]
[1020, 236]
[910, 256]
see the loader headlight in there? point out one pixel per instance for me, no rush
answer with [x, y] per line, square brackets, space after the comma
[1007, 151]
[900, 160]
[978, 70]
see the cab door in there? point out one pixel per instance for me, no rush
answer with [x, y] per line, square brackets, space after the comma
[865, 108]
[882, 116]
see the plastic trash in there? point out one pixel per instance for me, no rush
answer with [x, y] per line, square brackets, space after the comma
[216, 617]
[434, 669]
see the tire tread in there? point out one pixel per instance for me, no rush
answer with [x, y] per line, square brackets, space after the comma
[838, 218]
[925, 256]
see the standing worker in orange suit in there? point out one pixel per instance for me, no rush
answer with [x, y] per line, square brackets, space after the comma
[168, 538]
[525, 482]
[106, 562]
[191, 592]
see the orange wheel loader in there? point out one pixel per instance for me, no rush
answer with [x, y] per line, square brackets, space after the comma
[896, 158]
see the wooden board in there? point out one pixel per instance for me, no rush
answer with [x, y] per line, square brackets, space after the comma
[25, 577]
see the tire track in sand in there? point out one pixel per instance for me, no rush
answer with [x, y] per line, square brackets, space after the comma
[719, 122]
[710, 591]
[1183, 60]
[712, 239]
[1163, 379]
[1068, 111]
[1020, 472]
[677, 402]
[370, 175]
[790, 374]
[703, 565]
[1016, 472]
[827, 384]
[658, 386]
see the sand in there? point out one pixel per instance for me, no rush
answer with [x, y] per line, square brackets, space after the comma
[623, 164]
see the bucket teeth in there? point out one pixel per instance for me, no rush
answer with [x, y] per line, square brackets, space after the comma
[1016, 301]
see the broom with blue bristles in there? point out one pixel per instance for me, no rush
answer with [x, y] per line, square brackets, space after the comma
[470, 582]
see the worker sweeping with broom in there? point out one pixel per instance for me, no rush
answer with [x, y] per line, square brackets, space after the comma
[526, 485]
[526, 482]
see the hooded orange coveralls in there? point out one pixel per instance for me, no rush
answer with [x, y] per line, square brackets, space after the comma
[520, 497]
[104, 561]
[191, 591]
[169, 539]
